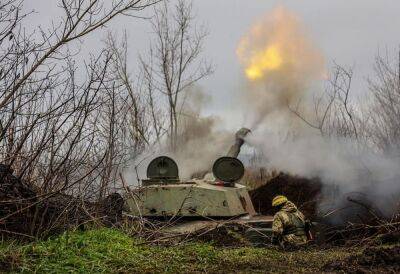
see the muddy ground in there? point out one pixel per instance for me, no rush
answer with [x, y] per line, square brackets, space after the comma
[371, 260]
[305, 193]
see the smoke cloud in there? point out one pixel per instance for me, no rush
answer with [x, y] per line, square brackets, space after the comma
[200, 141]
[280, 64]
[337, 162]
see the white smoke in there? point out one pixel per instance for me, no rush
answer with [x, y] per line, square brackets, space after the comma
[289, 144]
[336, 162]
[199, 143]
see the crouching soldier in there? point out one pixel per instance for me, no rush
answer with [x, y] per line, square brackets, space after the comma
[289, 225]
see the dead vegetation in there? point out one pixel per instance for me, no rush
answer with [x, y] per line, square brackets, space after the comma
[70, 124]
[63, 134]
[26, 214]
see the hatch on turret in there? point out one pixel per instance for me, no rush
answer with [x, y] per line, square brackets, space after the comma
[162, 170]
[228, 170]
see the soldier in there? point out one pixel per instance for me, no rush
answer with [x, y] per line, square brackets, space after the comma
[289, 225]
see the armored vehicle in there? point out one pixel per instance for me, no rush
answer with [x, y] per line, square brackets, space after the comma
[163, 195]
[217, 196]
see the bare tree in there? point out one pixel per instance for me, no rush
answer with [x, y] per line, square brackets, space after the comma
[175, 63]
[333, 113]
[374, 122]
[136, 106]
[384, 110]
[61, 121]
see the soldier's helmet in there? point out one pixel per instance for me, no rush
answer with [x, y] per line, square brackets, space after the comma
[279, 200]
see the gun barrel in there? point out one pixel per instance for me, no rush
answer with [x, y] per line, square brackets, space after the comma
[239, 141]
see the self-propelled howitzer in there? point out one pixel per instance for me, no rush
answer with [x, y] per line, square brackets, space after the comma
[163, 194]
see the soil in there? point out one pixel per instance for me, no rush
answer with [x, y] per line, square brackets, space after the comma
[301, 191]
[392, 237]
[225, 236]
[371, 260]
[23, 214]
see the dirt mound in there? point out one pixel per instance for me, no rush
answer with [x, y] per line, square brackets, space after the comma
[225, 236]
[372, 260]
[24, 211]
[303, 192]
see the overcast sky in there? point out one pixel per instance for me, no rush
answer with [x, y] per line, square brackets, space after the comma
[349, 32]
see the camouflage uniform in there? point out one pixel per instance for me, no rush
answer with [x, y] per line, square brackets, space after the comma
[288, 225]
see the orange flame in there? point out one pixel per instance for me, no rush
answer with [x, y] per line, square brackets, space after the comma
[277, 46]
[264, 61]
[281, 64]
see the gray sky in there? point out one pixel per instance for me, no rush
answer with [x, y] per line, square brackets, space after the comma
[349, 32]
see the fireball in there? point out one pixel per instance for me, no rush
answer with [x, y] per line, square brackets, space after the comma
[278, 51]
[264, 61]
